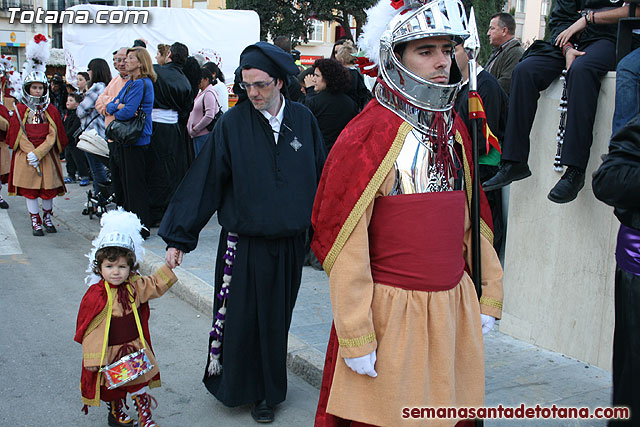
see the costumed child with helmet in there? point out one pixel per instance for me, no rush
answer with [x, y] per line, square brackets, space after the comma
[36, 135]
[113, 321]
[6, 105]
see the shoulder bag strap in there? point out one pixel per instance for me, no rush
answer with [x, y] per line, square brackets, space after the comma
[215, 96]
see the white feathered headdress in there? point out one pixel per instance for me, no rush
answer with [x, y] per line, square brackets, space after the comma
[378, 17]
[38, 52]
[119, 228]
[6, 62]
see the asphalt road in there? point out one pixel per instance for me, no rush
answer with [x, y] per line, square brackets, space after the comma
[41, 285]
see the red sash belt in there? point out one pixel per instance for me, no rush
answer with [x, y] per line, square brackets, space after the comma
[123, 329]
[416, 240]
[37, 133]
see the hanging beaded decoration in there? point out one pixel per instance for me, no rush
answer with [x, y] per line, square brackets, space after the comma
[215, 366]
[557, 166]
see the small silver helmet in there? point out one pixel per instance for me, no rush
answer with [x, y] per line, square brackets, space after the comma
[418, 21]
[35, 102]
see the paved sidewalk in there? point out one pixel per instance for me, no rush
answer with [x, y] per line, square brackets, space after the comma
[516, 372]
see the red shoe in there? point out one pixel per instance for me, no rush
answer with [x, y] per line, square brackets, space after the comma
[36, 225]
[143, 402]
[117, 416]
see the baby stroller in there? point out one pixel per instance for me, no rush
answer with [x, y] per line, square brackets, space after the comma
[97, 204]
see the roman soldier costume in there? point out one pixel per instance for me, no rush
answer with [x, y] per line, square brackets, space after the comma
[36, 135]
[394, 237]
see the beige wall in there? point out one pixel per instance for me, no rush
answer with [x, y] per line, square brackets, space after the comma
[559, 262]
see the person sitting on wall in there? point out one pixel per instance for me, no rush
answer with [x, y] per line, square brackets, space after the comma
[587, 56]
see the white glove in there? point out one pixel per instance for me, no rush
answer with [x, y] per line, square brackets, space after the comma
[33, 159]
[487, 323]
[363, 365]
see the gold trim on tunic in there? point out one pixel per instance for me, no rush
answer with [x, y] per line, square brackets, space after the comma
[490, 302]
[367, 196]
[357, 342]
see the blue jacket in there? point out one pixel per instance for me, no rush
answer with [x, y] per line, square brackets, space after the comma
[131, 103]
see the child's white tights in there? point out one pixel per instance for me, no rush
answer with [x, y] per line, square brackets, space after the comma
[32, 205]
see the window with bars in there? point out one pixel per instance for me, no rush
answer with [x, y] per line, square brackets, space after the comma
[520, 6]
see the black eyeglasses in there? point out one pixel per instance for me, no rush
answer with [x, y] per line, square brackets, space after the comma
[257, 85]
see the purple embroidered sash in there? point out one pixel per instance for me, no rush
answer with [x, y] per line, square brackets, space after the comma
[628, 249]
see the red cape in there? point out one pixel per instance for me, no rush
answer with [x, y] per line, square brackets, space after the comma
[4, 113]
[358, 163]
[362, 156]
[15, 130]
[93, 302]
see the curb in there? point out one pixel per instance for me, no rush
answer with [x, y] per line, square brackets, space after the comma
[303, 359]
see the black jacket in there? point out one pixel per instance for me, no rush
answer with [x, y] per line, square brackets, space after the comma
[565, 13]
[617, 180]
[333, 111]
[358, 91]
[496, 105]
[172, 91]
[71, 123]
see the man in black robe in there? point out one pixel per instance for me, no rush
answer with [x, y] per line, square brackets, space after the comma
[168, 149]
[259, 171]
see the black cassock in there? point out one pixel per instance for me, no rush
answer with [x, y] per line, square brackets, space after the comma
[168, 151]
[264, 192]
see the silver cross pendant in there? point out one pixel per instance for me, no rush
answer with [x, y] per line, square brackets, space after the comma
[295, 143]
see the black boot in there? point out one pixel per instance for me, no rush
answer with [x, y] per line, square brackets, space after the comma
[3, 203]
[508, 172]
[568, 187]
[47, 222]
[117, 416]
[262, 413]
[36, 225]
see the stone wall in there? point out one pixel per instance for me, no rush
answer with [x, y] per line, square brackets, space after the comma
[559, 260]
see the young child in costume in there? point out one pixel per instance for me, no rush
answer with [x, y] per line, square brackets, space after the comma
[113, 317]
[36, 135]
[6, 105]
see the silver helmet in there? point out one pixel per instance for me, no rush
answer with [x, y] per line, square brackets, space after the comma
[433, 19]
[35, 102]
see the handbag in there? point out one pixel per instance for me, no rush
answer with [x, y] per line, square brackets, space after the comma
[216, 117]
[80, 130]
[91, 142]
[127, 132]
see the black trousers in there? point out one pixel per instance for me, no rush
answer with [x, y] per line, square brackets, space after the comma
[76, 161]
[129, 179]
[262, 294]
[533, 75]
[626, 345]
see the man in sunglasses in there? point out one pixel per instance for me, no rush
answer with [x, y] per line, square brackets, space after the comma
[259, 170]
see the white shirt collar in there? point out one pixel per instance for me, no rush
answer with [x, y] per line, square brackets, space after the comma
[275, 121]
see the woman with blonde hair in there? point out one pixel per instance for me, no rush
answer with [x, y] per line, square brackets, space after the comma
[128, 163]
[358, 91]
[163, 53]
